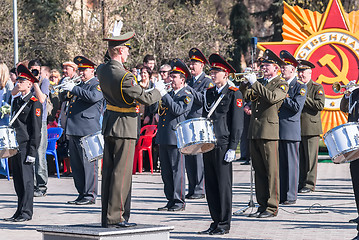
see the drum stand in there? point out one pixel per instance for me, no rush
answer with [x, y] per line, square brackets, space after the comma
[251, 203]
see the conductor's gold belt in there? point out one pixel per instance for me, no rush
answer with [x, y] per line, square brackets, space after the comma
[119, 109]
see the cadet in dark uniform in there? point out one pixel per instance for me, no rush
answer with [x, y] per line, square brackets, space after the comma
[289, 130]
[83, 118]
[311, 128]
[27, 128]
[350, 104]
[173, 110]
[119, 127]
[227, 125]
[267, 96]
[199, 83]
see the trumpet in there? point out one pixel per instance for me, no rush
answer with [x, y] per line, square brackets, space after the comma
[239, 77]
[337, 88]
[57, 88]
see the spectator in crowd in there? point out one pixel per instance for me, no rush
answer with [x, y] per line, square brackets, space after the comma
[149, 61]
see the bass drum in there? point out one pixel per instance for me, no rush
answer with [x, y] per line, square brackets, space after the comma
[343, 142]
[195, 136]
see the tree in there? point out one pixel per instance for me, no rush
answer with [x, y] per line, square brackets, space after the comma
[240, 25]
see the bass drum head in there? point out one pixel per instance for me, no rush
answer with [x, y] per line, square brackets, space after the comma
[6, 153]
[197, 148]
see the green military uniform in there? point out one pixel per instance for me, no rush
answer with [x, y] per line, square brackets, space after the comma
[120, 89]
[264, 135]
[311, 128]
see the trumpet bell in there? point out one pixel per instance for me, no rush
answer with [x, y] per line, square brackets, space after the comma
[336, 87]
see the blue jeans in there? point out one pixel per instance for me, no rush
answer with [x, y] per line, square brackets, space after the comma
[40, 171]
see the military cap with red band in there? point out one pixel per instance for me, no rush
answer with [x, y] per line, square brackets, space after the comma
[178, 66]
[23, 73]
[196, 55]
[288, 58]
[304, 65]
[271, 57]
[218, 63]
[84, 63]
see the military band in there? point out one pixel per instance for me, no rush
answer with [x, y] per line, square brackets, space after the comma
[284, 132]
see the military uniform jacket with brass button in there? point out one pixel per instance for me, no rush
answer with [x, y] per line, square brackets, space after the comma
[290, 111]
[83, 114]
[264, 123]
[228, 116]
[28, 124]
[174, 110]
[198, 87]
[120, 89]
[311, 123]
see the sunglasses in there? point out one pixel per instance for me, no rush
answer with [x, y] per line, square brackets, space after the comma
[163, 71]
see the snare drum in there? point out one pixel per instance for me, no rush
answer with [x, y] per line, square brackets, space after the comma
[93, 146]
[195, 136]
[8, 143]
[343, 142]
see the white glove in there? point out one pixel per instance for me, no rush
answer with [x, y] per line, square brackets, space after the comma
[30, 159]
[68, 86]
[251, 77]
[230, 155]
[160, 86]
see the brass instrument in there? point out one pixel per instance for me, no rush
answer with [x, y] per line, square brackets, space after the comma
[57, 88]
[337, 88]
[239, 77]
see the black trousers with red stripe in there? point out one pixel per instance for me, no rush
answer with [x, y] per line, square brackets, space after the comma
[173, 174]
[85, 173]
[218, 182]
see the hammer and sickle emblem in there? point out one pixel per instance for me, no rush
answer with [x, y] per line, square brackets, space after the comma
[341, 76]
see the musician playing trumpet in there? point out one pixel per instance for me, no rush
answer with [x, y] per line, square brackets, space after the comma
[350, 104]
[264, 132]
[83, 118]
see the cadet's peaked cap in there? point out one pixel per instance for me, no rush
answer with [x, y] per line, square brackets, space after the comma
[118, 39]
[218, 63]
[288, 58]
[196, 55]
[23, 73]
[304, 65]
[84, 63]
[178, 66]
[271, 57]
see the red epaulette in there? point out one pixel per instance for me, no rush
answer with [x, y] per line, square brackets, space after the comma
[34, 99]
[233, 88]
[210, 87]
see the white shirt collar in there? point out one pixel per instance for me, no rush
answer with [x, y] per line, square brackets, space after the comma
[219, 90]
[24, 96]
[290, 80]
[196, 77]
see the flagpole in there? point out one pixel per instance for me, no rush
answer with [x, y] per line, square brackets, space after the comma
[16, 46]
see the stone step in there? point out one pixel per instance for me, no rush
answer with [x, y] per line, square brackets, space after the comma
[95, 231]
